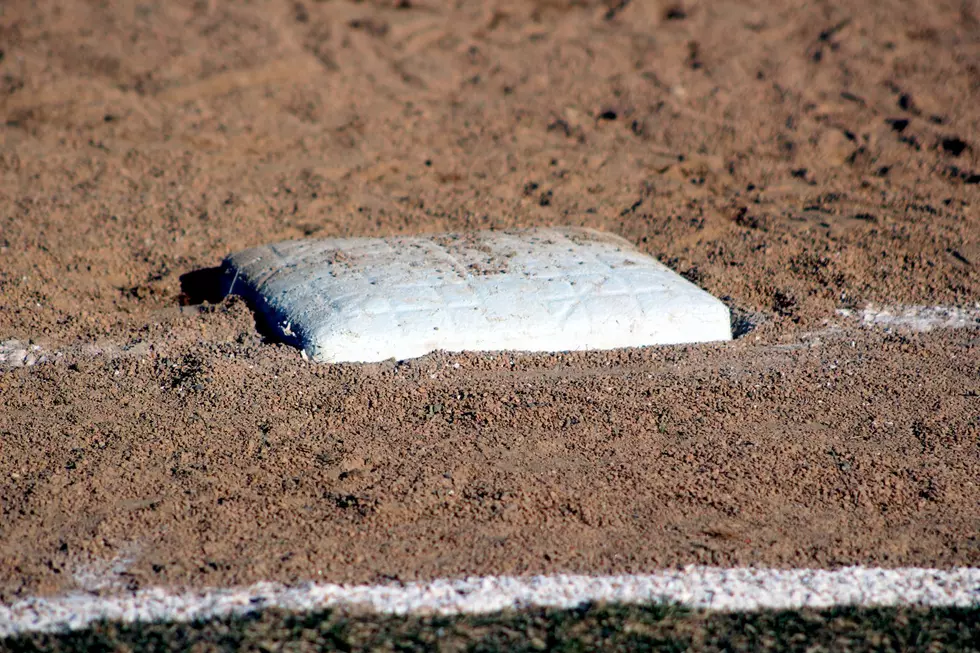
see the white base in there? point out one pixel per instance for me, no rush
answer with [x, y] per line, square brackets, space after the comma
[371, 299]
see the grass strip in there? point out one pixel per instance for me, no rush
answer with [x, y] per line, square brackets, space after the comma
[607, 627]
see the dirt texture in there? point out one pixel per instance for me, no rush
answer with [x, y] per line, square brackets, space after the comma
[792, 161]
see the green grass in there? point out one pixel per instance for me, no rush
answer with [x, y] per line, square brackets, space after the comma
[593, 627]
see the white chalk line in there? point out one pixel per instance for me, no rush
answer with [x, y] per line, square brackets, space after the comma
[712, 588]
[917, 318]
[14, 353]
[18, 353]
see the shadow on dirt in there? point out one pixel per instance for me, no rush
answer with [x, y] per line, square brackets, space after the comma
[204, 285]
[744, 322]
[211, 286]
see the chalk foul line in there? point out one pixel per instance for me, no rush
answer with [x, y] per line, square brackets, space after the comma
[697, 587]
[916, 318]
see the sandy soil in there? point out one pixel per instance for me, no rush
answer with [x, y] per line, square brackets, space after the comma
[792, 161]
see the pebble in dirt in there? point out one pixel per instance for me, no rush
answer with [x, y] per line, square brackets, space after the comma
[557, 289]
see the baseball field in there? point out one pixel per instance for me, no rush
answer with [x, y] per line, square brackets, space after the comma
[815, 166]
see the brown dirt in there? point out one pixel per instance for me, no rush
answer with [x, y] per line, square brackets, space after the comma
[793, 161]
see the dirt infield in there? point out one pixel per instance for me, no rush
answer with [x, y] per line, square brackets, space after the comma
[792, 161]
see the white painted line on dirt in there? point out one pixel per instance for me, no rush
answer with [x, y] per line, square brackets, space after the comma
[917, 318]
[15, 353]
[370, 299]
[697, 587]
